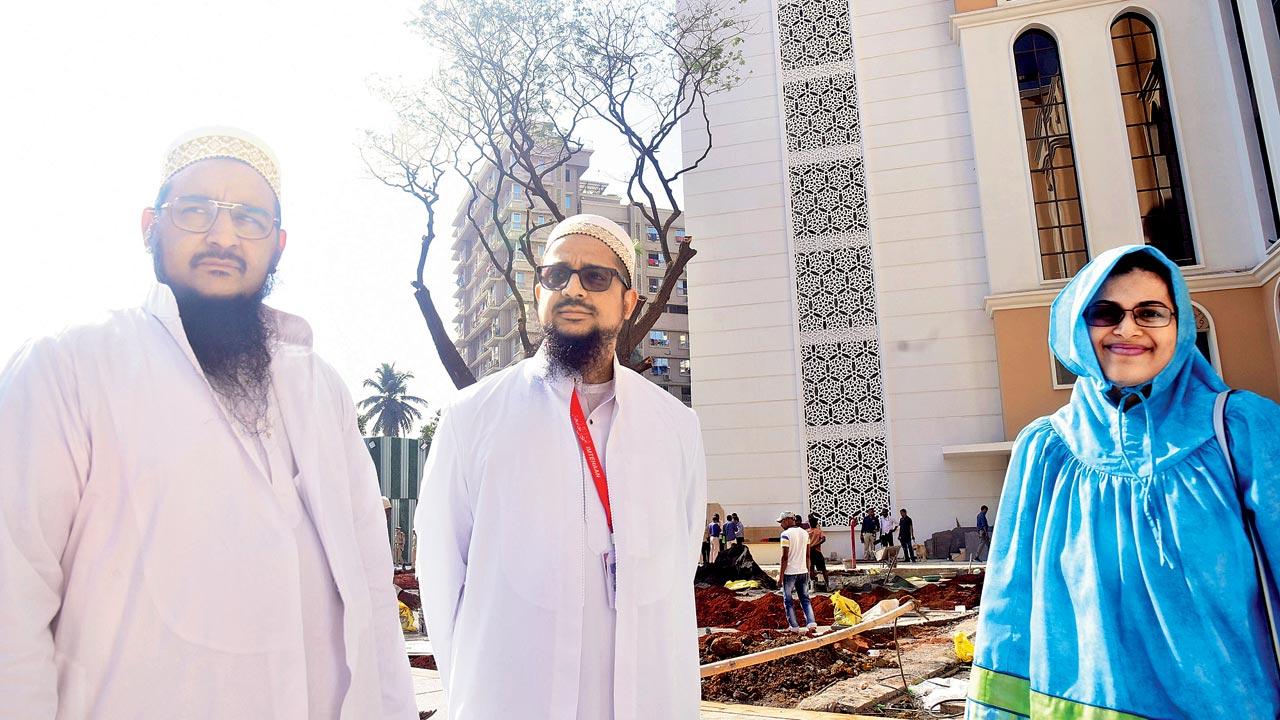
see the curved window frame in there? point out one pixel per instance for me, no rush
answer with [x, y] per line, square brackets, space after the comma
[1214, 357]
[1061, 236]
[1162, 146]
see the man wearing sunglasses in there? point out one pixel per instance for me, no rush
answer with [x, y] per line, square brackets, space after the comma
[191, 523]
[589, 481]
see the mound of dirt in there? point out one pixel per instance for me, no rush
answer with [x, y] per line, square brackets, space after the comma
[720, 607]
[734, 563]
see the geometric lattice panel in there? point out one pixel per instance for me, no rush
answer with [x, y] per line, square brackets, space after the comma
[847, 477]
[835, 289]
[821, 112]
[828, 198]
[846, 452]
[814, 32]
[842, 383]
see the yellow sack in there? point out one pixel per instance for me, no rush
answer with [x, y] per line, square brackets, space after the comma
[408, 622]
[742, 584]
[963, 646]
[846, 611]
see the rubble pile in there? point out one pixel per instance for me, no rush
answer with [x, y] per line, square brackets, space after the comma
[722, 608]
[945, 595]
[425, 662]
[407, 590]
[782, 682]
[734, 563]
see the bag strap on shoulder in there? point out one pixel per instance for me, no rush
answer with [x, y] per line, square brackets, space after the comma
[1269, 603]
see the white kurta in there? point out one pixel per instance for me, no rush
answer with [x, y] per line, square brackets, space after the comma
[503, 546]
[599, 620]
[151, 566]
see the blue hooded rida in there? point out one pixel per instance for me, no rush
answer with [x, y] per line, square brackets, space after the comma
[1120, 581]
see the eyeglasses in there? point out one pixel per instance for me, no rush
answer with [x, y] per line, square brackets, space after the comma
[593, 277]
[1108, 314]
[198, 214]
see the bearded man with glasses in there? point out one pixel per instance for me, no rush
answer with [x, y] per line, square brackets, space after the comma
[561, 513]
[191, 523]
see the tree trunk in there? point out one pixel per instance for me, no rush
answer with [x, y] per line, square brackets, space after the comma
[452, 360]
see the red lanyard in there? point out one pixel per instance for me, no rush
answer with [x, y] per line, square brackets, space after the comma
[589, 453]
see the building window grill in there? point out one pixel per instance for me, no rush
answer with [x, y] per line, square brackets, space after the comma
[1055, 186]
[1153, 147]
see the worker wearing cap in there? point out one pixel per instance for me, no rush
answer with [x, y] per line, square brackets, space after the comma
[561, 512]
[191, 523]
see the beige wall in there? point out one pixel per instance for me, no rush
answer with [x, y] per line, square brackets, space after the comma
[1271, 304]
[967, 5]
[1245, 327]
[1026, 372]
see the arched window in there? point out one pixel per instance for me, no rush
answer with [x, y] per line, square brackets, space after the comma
[1206, 336]
[1153, 149]
[1042, 100]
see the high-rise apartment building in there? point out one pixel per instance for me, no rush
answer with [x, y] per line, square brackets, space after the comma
[486, 326]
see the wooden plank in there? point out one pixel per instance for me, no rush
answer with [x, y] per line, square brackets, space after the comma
[764, 656]
[725, 711]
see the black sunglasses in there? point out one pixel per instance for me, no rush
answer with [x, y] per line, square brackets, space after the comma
[593, 277]
[1105, 313]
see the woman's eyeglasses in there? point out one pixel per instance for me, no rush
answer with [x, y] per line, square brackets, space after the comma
[1105, 313]
[593, 277]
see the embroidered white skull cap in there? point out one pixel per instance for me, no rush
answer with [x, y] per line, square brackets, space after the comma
[222, 142]
[604, 230]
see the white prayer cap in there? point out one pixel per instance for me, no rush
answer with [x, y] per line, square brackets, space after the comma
[604, 230]
[222, 142]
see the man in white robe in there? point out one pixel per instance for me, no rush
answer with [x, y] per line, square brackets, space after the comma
[190, 524]
[524, 615]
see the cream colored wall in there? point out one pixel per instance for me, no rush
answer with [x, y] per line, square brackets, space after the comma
[1245, 332]
[1227, 218]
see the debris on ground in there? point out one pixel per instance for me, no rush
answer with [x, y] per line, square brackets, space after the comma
[723, 608]
[779, 683]
[423, 662]
[855, 675]
[963, 590]
[734, 563]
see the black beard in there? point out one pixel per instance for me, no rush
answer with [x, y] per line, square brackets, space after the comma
[573, 354]
[232, 340]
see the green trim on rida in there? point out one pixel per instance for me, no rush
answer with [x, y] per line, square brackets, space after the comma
[1014, 694]
[1000, 691]
[1044, 706]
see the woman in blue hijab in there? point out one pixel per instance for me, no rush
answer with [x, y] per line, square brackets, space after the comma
[1121, 581]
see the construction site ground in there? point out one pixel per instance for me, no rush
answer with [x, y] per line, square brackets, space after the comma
[864, 676]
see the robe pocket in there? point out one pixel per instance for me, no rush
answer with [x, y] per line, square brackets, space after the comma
[534, 549]
[656, 548]
[218, 561]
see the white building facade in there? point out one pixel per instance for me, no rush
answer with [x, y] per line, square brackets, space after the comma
[876, 258]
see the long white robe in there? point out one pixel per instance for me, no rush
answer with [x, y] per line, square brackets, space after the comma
[147, 567]
[502, 540]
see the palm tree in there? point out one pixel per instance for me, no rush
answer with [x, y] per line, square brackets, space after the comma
[395, 408]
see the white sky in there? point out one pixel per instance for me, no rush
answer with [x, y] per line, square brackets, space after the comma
[93, 93]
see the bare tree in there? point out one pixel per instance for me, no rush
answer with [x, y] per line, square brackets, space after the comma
[518, 79]
[414, 159]
[645, 69]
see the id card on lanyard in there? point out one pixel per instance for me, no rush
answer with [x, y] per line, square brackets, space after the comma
[596, 468]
